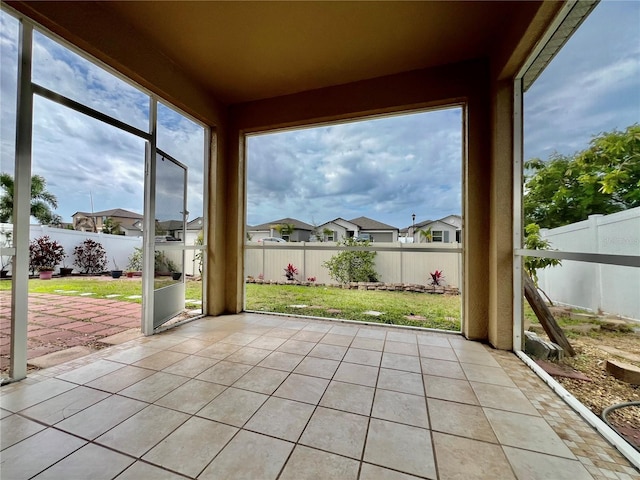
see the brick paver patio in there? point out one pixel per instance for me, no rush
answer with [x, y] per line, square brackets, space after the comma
[57, 322]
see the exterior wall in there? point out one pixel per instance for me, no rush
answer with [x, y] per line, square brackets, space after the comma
[437, 226]
[382, 236]
[340, 229]
[398, 266]
[300, 236]
[610, 288]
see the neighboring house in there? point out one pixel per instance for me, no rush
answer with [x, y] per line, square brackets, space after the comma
[380, 232]
[130, 222]
[173, 228]
[338, 229]
[445, 230]
[301, 231]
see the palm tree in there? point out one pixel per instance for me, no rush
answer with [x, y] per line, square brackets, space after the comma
[284, 229]
[110, 226]
[426, 234]
[42, 201]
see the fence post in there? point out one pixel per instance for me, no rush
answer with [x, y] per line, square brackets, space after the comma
[401, 267]
[304, 261]
[597, 287]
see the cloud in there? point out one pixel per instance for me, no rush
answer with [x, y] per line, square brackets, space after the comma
[591, 86]
[385, 168]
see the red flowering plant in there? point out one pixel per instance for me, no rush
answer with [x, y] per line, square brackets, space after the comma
[44, 254]
[437, 277]
[290, 272]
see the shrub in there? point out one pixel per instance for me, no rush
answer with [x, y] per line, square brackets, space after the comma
[135, 260]
[353, 265]
[90, 257]
[44, 254]
[437, 277]
[290, 272]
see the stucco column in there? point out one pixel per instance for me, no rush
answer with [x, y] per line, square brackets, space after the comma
[501, 218]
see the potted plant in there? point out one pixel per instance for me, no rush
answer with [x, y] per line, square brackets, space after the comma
[4, 270]
[5, 260]
[44, 255]
[64, 270]
[116, 273]
[135, 263]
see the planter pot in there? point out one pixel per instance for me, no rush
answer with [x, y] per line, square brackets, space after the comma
[116, 273]
[130, 274]
[4, 274]
[176, 275]
[46, 274]
[65, 271]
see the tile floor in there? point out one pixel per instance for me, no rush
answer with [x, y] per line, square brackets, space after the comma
[265, 397]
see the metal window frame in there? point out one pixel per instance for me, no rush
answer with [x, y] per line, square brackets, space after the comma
[539, 58]
[462, 104]
[27, 89]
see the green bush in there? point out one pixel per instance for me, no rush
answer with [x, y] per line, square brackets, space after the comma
[353, 265]
[90, 257]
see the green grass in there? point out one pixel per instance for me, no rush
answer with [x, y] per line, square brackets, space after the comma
[99, 287]
[441, 311]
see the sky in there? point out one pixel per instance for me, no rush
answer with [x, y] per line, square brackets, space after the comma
[386, 169]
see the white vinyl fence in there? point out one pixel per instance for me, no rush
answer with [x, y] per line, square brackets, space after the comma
[610, 288]
[394, 262]
[117, 247]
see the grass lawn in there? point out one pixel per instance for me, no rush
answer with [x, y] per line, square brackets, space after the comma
[440, 311]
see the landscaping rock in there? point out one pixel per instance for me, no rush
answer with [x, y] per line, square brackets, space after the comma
[542, 349]
[624, 371]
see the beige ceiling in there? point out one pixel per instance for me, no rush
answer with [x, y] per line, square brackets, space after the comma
[245, 51]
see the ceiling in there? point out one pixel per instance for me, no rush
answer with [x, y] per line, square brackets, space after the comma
[244, 51]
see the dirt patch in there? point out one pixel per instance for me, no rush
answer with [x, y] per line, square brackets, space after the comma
[603, 390]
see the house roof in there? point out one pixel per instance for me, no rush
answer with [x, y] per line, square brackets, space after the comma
[114, 212]
[171, 225]
[299, 225]
[366, 223]
[337, 222]
[430, 222]
[196, 224]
